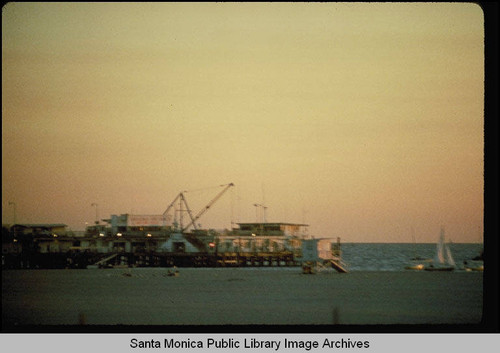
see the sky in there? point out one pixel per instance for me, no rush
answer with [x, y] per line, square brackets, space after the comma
[363, 120]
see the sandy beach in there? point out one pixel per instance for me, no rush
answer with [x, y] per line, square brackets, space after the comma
[238, 296]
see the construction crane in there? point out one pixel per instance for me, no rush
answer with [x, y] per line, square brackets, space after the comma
[205, 209]
[182, 200]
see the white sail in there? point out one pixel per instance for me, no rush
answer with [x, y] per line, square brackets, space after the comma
[443, 255]
[439, 256]
[449, 258]
[443, 261]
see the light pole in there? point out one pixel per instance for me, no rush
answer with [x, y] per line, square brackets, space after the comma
[256, 212]
[263, 214]
[96, 214]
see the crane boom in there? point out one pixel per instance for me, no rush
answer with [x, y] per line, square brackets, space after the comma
[170, 206]
[207, 206]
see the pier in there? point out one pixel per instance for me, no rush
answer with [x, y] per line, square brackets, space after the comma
[125, 244]
[87, 259]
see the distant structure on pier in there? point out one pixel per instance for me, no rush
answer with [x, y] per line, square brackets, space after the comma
[154, 240]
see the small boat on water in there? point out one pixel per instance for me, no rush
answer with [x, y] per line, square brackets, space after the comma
[416, 262]
[475, 264]
[173, 273]
[415, 267]
[443, 260]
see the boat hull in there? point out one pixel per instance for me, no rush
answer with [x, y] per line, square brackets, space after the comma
[417, 267]
[439, 269]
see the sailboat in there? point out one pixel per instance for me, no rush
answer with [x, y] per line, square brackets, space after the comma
[416, 262]
[443, 260]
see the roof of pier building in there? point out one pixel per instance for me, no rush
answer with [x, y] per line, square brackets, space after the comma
[266, 228]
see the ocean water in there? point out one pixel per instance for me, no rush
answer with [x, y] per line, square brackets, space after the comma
[394, 257]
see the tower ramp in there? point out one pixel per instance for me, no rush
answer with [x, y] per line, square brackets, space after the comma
[339, 266]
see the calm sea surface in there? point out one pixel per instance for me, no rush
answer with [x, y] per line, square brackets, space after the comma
[394, 257]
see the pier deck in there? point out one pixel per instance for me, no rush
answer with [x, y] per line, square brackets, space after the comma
[150, 259]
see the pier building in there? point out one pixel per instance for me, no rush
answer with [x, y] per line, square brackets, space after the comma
[151, 241]
[262, 237]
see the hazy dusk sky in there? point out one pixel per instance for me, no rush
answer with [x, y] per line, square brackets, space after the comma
[363, 120]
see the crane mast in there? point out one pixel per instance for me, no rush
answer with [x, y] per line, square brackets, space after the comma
[182, 200]
[205, 209]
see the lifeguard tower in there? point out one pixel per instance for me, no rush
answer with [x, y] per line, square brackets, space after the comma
[320, 254]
